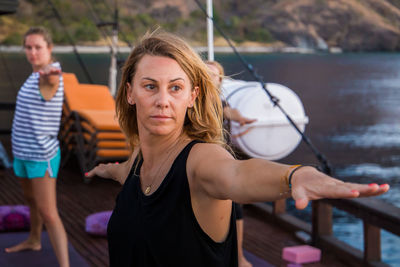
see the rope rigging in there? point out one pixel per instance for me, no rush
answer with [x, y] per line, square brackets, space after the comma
[321, 158]
[97, 20]
[100, 25]
[71, 41]
[124, 37]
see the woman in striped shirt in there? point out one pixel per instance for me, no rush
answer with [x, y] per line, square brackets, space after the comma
[35, 146]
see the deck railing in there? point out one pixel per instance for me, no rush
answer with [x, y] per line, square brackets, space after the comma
[374, 213]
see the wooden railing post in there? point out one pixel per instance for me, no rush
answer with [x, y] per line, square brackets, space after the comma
[372, 242]
[279, 206]
[321, 220]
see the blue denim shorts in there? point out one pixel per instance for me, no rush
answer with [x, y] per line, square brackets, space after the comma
[37, 169]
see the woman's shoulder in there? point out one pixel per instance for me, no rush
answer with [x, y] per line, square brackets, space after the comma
[209, 150]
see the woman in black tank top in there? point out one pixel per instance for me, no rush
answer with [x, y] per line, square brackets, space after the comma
[175, 207]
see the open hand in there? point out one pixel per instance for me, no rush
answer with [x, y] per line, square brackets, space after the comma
[310, 184]
[243, 120]
[101, 170]
[234, 115]
[49, 70]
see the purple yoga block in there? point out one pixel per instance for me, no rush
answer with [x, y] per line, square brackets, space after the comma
[96, 224]
[14, 218]
[301, 254]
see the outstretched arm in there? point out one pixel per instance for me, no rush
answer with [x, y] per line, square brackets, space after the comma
[115, 171]
[234, 115]
[218, 175]
[48, 81]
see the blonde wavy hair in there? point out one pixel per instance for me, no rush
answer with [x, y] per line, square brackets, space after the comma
[221, 71]
[204, 120]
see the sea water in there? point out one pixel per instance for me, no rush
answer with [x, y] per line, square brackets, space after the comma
[352, 101]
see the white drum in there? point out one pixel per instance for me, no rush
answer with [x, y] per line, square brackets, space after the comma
[272, 136]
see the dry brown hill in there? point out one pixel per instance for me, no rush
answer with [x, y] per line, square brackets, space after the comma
[350, 24]
[353, 25]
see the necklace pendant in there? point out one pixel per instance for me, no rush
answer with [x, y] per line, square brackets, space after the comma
[147, 190]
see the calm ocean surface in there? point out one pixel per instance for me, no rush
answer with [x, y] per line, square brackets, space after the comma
[352, 101]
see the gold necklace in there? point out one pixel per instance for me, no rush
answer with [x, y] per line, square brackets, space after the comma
[148, 188]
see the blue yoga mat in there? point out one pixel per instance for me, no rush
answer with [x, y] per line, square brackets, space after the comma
[44, 257]
[256, 261]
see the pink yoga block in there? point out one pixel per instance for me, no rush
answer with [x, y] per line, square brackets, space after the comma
[301, 254]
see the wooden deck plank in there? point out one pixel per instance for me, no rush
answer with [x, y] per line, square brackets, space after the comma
[266, 240]
[76, 200]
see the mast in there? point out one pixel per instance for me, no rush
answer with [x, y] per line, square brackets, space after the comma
[210, 31]
[112, 78]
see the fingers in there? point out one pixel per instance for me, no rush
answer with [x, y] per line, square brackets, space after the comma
[301, 199]
[349, 190]
[251, 120]
[301, 203]
[55, 72]
[101, 170]
[50, 71]
[364, 190]
[332, 188]
[94, 171]
[373, 189]
[244, 121]
[384, 187]
[90, 173]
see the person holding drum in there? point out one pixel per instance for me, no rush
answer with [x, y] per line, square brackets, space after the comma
[217, 74]
[175, 207]
[232, 114]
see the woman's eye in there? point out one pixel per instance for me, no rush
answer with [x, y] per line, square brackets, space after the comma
[149, 86]
[176, 88]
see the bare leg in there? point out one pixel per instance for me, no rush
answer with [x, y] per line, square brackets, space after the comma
[243, 262]
[33, 241]
[44, 191]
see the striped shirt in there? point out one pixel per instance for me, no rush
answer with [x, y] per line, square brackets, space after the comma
[36, 121]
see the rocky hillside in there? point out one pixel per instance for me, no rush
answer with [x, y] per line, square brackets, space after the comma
[353, 25]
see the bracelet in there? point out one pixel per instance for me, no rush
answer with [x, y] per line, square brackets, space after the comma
[295, 168]
[287, 175]
[284, 184]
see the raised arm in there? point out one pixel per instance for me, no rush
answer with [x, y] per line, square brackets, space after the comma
[49, 81]
[214, 172]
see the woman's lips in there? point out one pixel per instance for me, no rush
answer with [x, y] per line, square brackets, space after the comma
[160, 117]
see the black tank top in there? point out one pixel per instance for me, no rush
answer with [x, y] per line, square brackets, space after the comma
[161, 229]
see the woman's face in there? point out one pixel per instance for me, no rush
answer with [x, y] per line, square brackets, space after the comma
[37, 51]
[162, 92]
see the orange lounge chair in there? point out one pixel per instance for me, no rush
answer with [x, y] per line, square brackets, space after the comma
[89, 125]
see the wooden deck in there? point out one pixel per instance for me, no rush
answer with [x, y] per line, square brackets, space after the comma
[76, 200]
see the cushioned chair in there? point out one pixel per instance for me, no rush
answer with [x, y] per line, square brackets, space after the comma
[89, 125]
